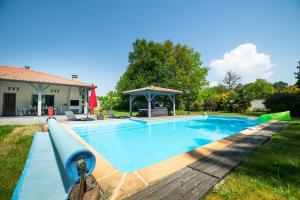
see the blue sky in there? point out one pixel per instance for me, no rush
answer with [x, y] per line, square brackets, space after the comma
[92, 38]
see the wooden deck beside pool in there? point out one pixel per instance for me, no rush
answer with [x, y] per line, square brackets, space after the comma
[195, 180]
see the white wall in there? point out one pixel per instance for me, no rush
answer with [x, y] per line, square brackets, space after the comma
[257, 104]
[26, 90]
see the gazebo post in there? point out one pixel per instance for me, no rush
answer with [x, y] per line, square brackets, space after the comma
[172, 97]
[174, 110]
[149, 104]
[130, 105]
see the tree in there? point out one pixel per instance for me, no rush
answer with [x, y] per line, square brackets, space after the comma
[112, 100]
[280, 85]
[241, 99]
[210, 91]
[260, 89]
[218, 88]
[298, 75]
[231, 80]
[165, 65]
[210, 103]
[225, 100]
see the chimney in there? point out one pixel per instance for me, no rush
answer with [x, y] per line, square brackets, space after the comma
[27, 67]
[74, 77]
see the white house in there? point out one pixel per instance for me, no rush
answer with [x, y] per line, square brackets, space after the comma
[27, 92]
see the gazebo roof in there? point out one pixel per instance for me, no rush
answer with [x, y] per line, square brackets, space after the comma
[152, 89]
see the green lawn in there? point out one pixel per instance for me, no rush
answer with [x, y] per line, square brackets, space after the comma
[271, 172]
[15, 142]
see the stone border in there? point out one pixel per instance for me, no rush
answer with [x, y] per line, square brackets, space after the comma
[121, 185]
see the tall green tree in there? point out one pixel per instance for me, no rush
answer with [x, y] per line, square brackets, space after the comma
[218, 89]
[231, 80]
[110, 101]
[297, 75]
[164, 64]
[241, 99]
[280, 85]
[260, 89]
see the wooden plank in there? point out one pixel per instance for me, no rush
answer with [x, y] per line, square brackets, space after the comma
[162, 191]
[202, 182]
[224, 161]
[222, 168]
[273, 128]
[200, 161]
[162, 183]
[214, 159]
[201, 189]
[210, 159]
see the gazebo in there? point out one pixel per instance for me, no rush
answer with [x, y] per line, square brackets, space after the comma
[150, 93]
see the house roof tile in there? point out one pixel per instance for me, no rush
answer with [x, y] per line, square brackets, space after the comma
[28, 75]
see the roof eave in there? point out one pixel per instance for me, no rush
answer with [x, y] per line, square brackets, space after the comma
[144, 91]
[63, 84]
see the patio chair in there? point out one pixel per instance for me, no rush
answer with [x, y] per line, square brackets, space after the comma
[71, 117]
[111, 115]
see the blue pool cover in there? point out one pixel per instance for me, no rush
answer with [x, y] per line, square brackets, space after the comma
[50, 170]
[70, 150]
[42, 177]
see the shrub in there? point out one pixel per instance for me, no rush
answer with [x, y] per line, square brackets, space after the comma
[291, 89]
[241, 99]
[283, 102]
[195, 106]
[211, 103]
[111, 101]
[224, 100]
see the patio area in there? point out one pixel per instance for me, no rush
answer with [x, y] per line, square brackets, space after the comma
[26, 92]
[28, 120]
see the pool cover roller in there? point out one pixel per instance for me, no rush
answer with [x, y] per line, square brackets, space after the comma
[70, 150]
[285, 116]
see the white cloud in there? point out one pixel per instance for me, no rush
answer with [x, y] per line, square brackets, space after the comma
[245, 61]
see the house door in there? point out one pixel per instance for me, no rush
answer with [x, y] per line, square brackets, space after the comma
[9, 104]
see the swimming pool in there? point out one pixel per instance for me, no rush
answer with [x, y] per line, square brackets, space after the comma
[130, 145]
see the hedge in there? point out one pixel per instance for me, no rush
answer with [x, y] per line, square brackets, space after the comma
[280, 102]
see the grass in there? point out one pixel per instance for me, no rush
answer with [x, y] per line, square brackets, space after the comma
[15, 142]
[271, 172]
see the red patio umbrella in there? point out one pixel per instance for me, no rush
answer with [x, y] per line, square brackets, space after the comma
[92, 99]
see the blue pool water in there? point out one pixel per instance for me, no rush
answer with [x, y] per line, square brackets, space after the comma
[130, 145]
